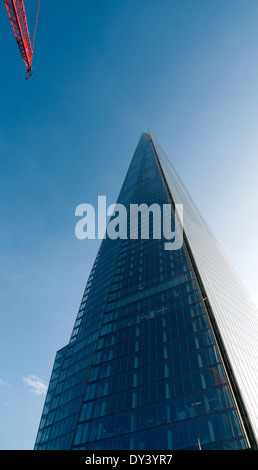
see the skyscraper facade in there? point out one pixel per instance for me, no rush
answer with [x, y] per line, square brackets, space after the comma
[163, 353]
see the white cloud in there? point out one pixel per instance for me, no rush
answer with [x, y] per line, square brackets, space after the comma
[3, 383]
[35, 385]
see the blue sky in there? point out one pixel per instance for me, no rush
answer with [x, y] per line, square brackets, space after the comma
[104, 73]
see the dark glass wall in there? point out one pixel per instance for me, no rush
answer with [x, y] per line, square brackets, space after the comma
[142, 369]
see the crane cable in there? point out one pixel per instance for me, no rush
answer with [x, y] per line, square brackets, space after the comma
[35, 27]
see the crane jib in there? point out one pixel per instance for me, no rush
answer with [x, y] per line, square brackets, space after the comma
[17, 16]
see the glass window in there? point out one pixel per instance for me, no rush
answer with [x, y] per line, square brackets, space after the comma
[225, 425]
[192, 432]
[171, 412]
[182, 435]
[180, 408]
[203, 430]
[162, 437]
[153, 445]
[214, 428]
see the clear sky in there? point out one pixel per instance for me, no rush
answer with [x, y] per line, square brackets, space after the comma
[106, 71]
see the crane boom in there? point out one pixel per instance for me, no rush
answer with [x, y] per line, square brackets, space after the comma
[218, 378]
[17, 16]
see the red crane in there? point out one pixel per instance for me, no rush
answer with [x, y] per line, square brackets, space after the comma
[218, 378]
[17, 16]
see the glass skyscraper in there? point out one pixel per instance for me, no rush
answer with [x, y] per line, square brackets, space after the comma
[163, 354]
